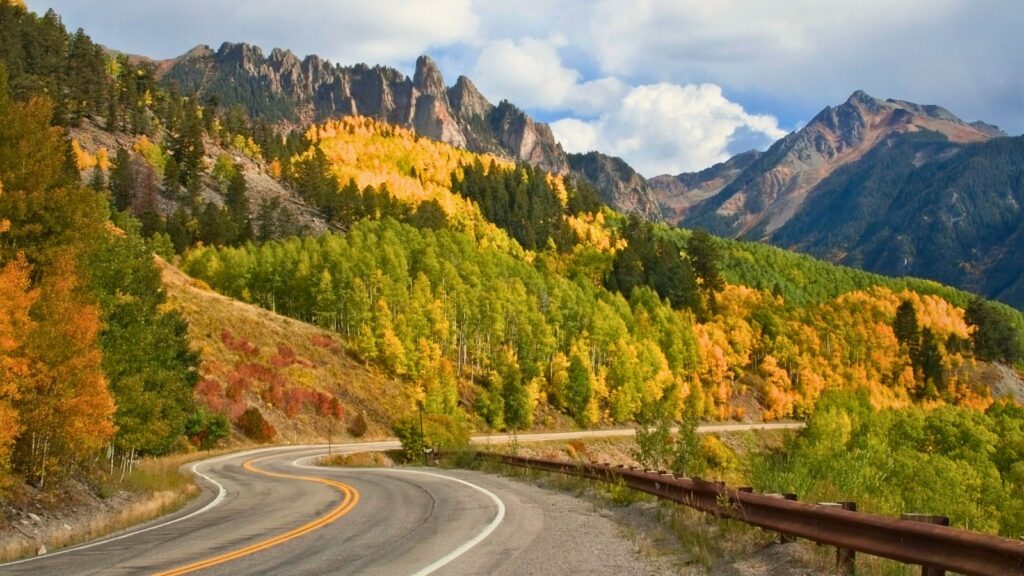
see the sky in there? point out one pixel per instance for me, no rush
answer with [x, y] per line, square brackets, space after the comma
[669, 85]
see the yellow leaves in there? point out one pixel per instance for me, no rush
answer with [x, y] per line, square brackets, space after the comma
[153, 154]
[592, 230]
[84, 160]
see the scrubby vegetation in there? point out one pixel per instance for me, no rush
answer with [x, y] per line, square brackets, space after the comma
[954, 461]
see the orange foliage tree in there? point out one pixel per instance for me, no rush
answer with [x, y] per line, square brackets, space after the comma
[65, 406]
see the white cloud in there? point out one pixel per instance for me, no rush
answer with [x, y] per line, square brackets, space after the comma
[346, 31]
[667, 128]
[530, 73]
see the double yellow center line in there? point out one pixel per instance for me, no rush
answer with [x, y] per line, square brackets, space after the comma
[351, 498]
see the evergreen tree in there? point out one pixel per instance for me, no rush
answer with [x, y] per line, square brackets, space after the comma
[237, 201]
[931, 363]
[122, 180]
[172, 179]
[995, 336]
[905, 325]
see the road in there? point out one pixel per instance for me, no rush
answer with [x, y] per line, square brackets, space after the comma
[272, 512]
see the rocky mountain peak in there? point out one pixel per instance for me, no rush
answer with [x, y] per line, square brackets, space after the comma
[200, 51]
[467, 102]
[297, 93]
[283, 58]
[428, 79]
[618, 184]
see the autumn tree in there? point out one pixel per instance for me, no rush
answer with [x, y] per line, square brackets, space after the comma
[16, 327]
[65, 408]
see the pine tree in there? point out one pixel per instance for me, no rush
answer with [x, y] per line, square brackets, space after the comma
[122, 180]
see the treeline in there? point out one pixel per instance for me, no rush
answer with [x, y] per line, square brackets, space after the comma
[88, 357]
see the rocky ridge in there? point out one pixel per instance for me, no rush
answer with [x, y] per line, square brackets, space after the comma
[281, 88]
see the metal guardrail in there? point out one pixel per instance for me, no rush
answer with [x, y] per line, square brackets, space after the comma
[912, 541]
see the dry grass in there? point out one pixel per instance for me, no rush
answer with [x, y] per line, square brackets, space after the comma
[156, 487]
[358, 460]
[317, 362]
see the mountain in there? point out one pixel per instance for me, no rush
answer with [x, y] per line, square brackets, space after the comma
[618, 184]
[885, 185]
[921, 205]
[761, 198]
[282, 89]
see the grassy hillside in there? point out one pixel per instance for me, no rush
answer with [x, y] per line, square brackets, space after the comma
[252, 357]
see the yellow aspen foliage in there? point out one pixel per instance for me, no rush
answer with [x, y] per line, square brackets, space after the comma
[83, 159]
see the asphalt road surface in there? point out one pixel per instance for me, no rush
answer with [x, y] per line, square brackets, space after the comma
[272, 512]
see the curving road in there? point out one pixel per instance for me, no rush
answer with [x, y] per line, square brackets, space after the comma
[271, 512]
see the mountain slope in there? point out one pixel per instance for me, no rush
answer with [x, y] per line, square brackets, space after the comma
[924, 206]
[619, 185]
[280, 88]
[676, 194]
[773, 188]
[251, 357]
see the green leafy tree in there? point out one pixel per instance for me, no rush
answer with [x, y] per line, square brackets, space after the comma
[995, 336]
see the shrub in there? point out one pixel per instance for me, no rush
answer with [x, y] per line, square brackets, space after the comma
[205, 428]
[255, 426]
[358, 426]
[441, 433]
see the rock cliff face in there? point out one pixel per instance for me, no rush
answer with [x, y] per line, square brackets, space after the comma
[619, 185]
[283, 89]
[758, 199]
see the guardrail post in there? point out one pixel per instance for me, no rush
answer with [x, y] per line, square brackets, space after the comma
[930, 519]
[785, 538]
[845, 558]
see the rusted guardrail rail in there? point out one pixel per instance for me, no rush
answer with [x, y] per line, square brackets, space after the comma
[911, 541]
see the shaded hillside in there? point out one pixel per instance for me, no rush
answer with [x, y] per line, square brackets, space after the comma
[920, 205]
[884, 185]
[251, 357]
[619, 186]
[283, 89]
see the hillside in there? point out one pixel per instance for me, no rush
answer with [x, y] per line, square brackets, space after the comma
[924, 206]
[289, 370]
[620, 187]
[641, 320]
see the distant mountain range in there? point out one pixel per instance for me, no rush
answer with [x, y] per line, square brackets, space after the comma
[886, 185]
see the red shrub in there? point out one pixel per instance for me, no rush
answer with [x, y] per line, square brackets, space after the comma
[255, 426]
[238, 344]
[324, 342]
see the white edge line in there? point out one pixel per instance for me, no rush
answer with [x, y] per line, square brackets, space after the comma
[221, 494]
[466, 546]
